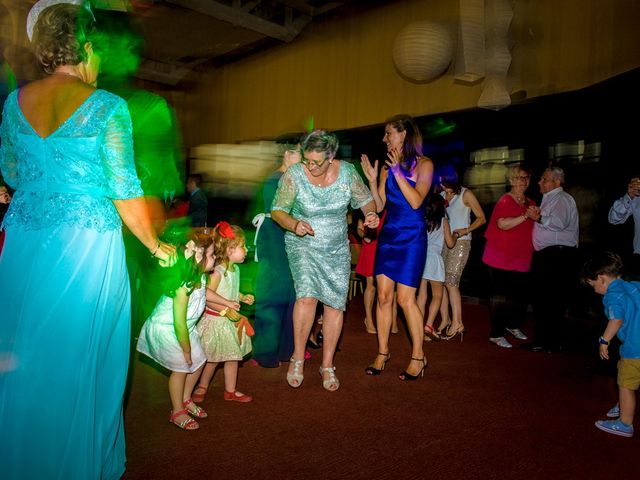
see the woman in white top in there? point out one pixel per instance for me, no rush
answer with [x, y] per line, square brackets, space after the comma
[460, 203]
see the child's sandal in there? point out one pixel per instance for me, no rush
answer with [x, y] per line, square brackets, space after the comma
[187, 424]
[199, 393]
[193, 409]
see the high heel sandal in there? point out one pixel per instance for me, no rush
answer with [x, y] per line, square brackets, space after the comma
[187, 424]
[332, 383]
[453, 334]
[371, 370]
[199, 393]
[407, 376]
[295, 378]
[442, 330]
[193, 409]
[430, 332]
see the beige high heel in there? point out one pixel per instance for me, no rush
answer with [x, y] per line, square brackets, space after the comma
[332, 383]
[295, 378]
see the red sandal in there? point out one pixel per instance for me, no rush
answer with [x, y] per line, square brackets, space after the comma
[193, 409]
[189, 424]
[199, 394]
[232, 397]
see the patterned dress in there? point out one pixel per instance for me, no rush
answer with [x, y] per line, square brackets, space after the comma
[64, 293]
[321, 264]
[219, 335]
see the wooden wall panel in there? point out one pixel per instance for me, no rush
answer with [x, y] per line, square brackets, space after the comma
[340, 70]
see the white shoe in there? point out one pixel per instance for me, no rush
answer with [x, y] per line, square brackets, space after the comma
[517, 333]
[501, 342]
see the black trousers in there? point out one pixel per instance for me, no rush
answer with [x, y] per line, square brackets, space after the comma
[555, 276]
[510, 293]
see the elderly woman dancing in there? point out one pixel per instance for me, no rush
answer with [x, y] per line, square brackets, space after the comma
[311, 204]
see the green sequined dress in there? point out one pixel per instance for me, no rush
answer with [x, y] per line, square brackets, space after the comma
[321, 264]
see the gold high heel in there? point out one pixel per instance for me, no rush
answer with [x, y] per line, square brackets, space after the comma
[453, 334]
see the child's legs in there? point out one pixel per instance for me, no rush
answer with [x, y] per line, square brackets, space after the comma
[423, 295]
[190, 382]
[628, 382]
[230, 375]
[176, 390]
[207, 373]
[436, 300]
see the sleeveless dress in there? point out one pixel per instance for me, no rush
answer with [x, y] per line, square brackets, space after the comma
[321, 264]
[434, 266]
[402, 243]
[64, 293]
[158, 339]
[455, 259]
[219, 335]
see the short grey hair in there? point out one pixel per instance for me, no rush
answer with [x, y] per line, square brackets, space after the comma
[320, 141]
[557, 173]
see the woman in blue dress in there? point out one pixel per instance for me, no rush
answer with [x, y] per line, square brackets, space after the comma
[311, 204]
[402, 243]
[64, 292]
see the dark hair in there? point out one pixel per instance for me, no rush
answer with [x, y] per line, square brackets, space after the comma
[412, 145]
[60, 34]
[434, 211]
[186, 272]
[602, 263]
[449, 179]
[320, 141]
[196, 177]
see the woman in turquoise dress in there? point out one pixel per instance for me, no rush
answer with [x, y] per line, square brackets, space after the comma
[311, 204]
[402, 242]
[64, 292]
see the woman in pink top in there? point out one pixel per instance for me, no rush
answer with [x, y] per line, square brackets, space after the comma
[508, 253]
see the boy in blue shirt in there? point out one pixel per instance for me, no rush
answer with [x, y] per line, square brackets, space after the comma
[622, 308]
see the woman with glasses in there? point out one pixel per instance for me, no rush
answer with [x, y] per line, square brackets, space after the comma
[402, 242]
[311, 205]
[508, 254]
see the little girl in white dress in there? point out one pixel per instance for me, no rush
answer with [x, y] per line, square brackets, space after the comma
[438, 233]
[169, 335]
[224, 333]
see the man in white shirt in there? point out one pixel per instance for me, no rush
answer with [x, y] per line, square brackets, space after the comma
[554, 265]
[626, 206]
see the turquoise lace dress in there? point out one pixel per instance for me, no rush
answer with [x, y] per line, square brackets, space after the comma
[321, 264]
[64, 293]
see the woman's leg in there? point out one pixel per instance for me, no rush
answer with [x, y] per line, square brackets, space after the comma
[369, 298]
[436, 301]
[445, 319]
[394, 314]
[413, 316]
[331, 328]
[423, 295]
[303, 317]
[455, 299]
[384, 315]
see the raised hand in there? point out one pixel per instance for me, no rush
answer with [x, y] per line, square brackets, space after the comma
[393, 160]
[370, 171]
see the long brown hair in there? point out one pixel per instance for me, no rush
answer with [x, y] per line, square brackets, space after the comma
[412, 145]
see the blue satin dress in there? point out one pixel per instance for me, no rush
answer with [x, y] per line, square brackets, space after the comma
[64, 293]
[402, 243]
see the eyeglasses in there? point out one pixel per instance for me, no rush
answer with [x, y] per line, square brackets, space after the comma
[524, 178]
[305, 161]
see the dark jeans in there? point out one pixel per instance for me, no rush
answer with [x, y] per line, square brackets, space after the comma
[510, 292]
[555, 276]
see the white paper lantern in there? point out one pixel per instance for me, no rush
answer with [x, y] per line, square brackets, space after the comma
[422, 50]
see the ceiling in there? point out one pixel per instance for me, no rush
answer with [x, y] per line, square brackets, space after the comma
[181, 35]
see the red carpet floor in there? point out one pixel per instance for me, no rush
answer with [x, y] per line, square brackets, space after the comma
[480, 412]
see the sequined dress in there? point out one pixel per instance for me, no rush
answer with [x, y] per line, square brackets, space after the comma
[64, 293]
[321, 264]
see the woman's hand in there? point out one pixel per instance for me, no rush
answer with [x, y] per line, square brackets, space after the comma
[248, 299]
[187, 357]
[460, 232]
[393, 160]
[371, 220]
[165, 253]
[303, 228]
[533, 213]
[4, 195]
[371, 172]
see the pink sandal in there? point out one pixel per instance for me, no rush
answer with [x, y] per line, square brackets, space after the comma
[199, 397]
[189, 424]
[194, 409]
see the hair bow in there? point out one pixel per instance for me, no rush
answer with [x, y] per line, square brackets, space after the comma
[225, 230]
[191, 249]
